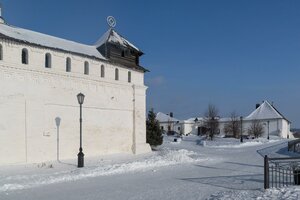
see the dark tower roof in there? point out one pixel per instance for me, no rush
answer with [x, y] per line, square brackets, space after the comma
[113, 37]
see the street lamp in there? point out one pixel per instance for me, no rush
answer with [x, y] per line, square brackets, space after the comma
[241, 118]
[80, 155]
[268, 130]
[196, 126]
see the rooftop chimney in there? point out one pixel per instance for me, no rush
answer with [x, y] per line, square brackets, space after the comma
[257, 105]
[171, 114]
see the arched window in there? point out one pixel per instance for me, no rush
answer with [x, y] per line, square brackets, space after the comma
[68, 65]
[129, 77]
[24, 56]
[102, 71]
[1, 52]
[116, 74]
[48, 60]
[86, 68]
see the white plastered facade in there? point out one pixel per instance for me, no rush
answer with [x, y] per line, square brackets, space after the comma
[39, 111]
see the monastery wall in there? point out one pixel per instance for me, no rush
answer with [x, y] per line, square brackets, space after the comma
[39, 111]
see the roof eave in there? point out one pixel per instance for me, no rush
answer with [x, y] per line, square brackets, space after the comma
[44, 46]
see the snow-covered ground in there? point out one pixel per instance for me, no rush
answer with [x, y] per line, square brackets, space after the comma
[187, 169]
[286, 193]
[219, 142]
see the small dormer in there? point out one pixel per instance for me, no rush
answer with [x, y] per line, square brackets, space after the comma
[119, 50]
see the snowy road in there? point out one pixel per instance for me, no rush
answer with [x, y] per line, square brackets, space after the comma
[176, 171]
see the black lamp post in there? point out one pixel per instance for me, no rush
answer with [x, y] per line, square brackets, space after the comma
[80, 155]
[241, 118]
[268, 130]
[196, 120]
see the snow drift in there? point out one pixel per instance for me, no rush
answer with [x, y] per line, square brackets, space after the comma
[165, 157]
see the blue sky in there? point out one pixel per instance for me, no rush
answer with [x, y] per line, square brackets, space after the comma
[233, 54]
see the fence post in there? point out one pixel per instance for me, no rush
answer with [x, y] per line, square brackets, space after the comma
[266, 173]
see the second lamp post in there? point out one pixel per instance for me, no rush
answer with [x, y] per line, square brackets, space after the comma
[241, 118]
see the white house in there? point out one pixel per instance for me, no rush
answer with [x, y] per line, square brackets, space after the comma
[193, 126]
[40, 76]
[273, 121]
[168, 123]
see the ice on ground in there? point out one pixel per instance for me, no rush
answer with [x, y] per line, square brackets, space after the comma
[164, 157]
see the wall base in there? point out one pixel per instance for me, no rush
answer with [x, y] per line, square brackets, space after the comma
[141, 148]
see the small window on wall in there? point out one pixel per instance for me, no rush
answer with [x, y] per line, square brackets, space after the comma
[179, 128]
[123, 54]
[1, 52]
[68, 65]
[102, 71]
[162, 128]
[24, 56]
[129, 77]
[116, 74]
[48, 60]
[86, 68]
[169, 128]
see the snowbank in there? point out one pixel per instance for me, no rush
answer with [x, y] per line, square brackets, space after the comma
[164, 157]
[235, 143]
[287, 193]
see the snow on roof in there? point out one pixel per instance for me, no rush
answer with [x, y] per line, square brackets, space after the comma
[48, 41]
[113, 37]
[226, 119]
[223, 119]
[265, 111]
[103, 38]
[162, 117]
[194, 118]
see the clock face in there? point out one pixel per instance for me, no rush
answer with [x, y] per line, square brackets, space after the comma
[111, 21]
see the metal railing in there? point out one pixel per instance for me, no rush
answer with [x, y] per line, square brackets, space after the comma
[281, 172]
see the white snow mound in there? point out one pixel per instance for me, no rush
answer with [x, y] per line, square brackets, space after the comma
[165, 157]
[286, 193]
[235, 143]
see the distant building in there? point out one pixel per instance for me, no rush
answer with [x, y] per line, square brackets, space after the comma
[168, 123]
[272, 120]
[40, 76]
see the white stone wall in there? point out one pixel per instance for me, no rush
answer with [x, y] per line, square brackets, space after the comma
[188, 128]
[174, 126]
[34, 98]
[165, 125]
[12, 55]
[286, 133]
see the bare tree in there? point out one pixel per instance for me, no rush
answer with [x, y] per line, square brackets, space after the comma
[256, 129]
[211, 121]
[233, 127]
